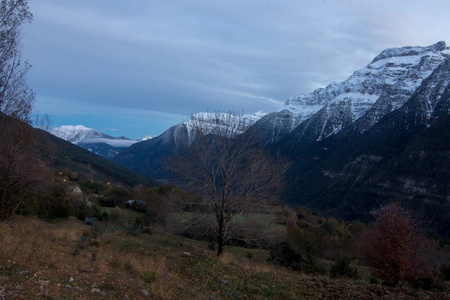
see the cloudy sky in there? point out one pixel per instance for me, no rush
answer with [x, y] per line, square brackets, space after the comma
[134, 68]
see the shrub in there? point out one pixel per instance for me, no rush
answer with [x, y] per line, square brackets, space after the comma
[305, 239]
[445, 270]
[342, 269]
[118, 196]
[212, 246]
[85, 239]
[137, 227]
[285, 255]
[55, 204]
[373, 279]
[328, 228]
[149, 276]
[393, 246]
[81, 212]
[431, 279]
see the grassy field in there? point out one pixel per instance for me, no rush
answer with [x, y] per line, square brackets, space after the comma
[133, 213]
[54, 260]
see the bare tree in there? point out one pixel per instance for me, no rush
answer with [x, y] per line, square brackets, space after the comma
[237, 181]
[42, 121]
[16, 97]
[23, 171]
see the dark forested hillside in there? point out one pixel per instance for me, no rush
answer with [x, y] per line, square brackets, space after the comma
[62, 154]
[67, 155]
[380, 136]
[405, 157]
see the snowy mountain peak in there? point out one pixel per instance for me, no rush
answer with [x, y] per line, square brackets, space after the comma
[145, 138]
[382, 86]
[221, 121]
[76, 134]
[92, 140]
[251, 119]
[410, 51]
[180, 133]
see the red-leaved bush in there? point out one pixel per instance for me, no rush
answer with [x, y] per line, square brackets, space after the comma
[393, 246]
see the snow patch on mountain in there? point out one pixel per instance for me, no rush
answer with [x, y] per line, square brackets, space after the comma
[382, 86]
[75, 134]
[80, 134]
[208, 122]
[145, 138]
[221, 123]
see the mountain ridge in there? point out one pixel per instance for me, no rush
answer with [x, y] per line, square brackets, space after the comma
[147, 157]
[357, 103]
[60, 154]
[403, 157]
[92, 140]
[382, 86]
[377, 137]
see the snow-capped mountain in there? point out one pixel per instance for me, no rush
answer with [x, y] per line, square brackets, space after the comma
[379, 136]
[403, 157]
[382, 86]
[147, 137]
[357, 103]
[92, 140]
[74, 134]
[178, 134]
[145, 157]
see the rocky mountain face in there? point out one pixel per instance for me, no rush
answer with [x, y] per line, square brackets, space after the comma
[380, 136]
[382, 86]
[92, 140]
[147, 157]
[358, 103]
[403, 157]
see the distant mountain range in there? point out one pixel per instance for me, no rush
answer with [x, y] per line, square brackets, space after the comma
[404, 157]
[61, 154]
[147, 157]
[381, 135]
[383, 86]
[93, 140]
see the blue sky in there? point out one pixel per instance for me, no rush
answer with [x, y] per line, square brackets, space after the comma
[135, 68]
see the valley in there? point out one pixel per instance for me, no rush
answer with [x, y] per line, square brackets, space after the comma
[340, 193]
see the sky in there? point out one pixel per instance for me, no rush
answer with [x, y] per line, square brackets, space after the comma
[135, 68]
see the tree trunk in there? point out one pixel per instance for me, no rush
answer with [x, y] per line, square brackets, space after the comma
[220, 238]
[220, 245]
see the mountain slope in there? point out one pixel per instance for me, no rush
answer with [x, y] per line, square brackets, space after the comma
[92, 140]
[62, 154]
[404, 157]
[358, 103]
[78, 159]
[380, 136]
[382, 86]
[147, 157]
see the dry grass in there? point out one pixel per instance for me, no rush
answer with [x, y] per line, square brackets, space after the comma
[258, 267]
[122, 265]
[55, 251]
[248, 266]
[226, 258]
[35, 241]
